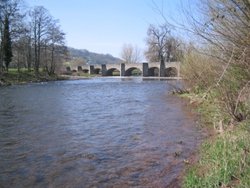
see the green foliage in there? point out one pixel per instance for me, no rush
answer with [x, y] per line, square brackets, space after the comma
[225, 157]
[82, 74]
[25, 76]
[235, 78]
[135, 72]
[224, 161]
[116, 73]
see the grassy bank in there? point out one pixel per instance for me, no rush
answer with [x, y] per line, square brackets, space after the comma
[225, 156]
[24, 76]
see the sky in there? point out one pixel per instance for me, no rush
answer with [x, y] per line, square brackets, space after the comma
[104, 26]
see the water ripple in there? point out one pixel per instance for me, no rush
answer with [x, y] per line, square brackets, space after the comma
[92, 133]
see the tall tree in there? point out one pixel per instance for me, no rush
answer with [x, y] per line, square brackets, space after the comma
[161, 45]
[6, 43]
[2, 16]
[56, 46]
[157, 42]
[1, 35]
[11, 20]
[40, 23]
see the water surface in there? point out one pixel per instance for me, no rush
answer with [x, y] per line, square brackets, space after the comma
[93, 133]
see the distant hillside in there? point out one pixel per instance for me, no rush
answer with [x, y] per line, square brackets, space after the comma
[87, 57]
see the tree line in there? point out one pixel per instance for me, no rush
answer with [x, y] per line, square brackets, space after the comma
[30, 39]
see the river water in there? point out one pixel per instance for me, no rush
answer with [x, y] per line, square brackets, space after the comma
[93, 133]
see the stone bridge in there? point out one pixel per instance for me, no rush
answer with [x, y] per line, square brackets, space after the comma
[170, 69]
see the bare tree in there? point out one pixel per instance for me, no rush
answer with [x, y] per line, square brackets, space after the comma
[130, 54]
[22, 52]
[40, 23]
[56, 46]
[224, 31]
[157, 42]
[174, 51]
[21, 42]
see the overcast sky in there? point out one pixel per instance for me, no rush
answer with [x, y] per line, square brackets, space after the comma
[103, 26]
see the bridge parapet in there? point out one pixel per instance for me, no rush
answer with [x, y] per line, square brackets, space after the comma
[167, 64]
[154, 64]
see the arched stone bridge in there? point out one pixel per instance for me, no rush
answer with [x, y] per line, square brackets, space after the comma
[171, 69]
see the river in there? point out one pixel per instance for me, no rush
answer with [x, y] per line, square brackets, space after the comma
[99, 132]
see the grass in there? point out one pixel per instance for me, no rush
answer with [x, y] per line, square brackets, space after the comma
[24, 76]
[84, 74]
[116, 73]
[224, 161]
[225, 156]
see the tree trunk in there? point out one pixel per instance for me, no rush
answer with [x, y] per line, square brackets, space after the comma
[29, 56]
[18, 62]
[52, 66]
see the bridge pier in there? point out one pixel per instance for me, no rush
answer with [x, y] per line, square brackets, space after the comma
[91, 69]
[123, 70]
[104, 70]
[178, 70]
[145, 69]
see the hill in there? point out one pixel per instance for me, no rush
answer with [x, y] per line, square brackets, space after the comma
[82, 56]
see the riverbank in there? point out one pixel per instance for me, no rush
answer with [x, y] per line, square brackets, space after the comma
[13, 77]
[224, 157]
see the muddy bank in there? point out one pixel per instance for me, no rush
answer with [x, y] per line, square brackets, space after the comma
[188, 108]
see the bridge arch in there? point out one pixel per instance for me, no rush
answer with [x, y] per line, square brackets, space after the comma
[133, 71]
[85, 70]
[153, 71]
[171, 72]
[113, 72]
[97, 71]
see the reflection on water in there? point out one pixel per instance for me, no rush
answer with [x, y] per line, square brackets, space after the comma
[93, 133]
